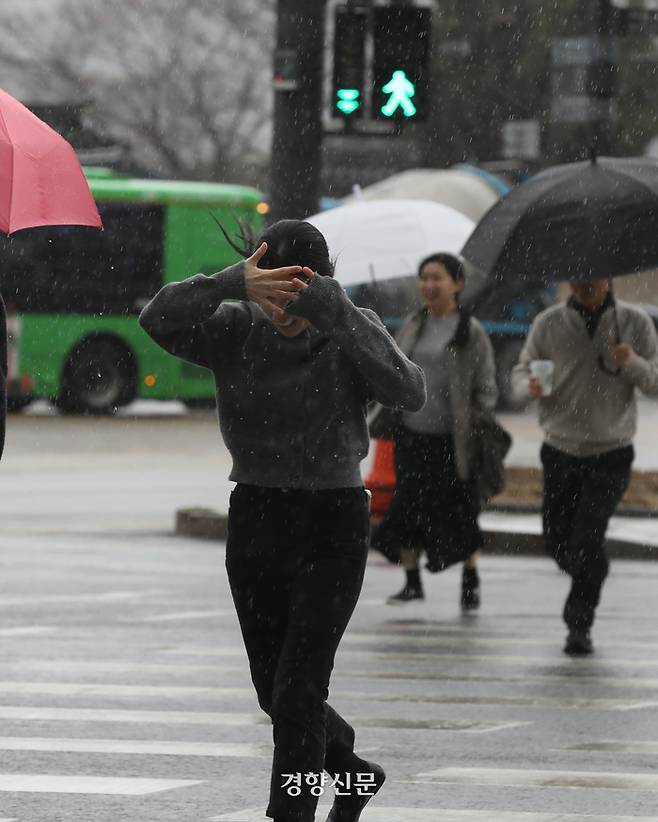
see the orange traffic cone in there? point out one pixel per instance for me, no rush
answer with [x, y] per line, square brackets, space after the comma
[381, 479]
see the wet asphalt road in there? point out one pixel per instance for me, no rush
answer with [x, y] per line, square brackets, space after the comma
[124, 691]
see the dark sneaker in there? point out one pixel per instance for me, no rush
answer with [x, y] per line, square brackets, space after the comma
[470, 600]
[348, 808]
[407, 594]
[578, 643]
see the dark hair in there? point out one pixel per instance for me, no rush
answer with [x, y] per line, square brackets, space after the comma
[296, 242]
[453, 265]
[289, 242]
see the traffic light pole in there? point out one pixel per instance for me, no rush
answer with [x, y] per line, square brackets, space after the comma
[603, 137]
[297, 132]
[584, 62]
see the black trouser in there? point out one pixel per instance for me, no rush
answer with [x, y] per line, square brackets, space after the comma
[295, 562]
[580, 496]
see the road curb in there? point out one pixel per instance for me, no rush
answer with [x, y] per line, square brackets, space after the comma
[206, 523]
[512, 544]
[622, 511]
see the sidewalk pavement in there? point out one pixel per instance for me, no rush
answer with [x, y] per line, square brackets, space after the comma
[505, 533]
[512, 532]
[527, 437]
[521, 534]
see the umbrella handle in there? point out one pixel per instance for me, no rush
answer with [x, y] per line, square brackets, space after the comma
[615, 314]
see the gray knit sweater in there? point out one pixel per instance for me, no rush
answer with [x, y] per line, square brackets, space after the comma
[589, 411]
[292, 411]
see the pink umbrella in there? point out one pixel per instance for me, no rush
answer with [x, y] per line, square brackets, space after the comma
[41, 181]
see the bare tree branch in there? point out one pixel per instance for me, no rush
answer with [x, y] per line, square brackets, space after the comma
[184, 82]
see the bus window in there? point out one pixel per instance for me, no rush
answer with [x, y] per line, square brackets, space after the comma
[75, 269]
[74, 293]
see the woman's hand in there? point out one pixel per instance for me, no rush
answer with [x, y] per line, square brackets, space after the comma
[301, 284]
[269, 287]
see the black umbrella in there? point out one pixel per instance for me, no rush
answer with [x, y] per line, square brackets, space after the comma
[579, 221]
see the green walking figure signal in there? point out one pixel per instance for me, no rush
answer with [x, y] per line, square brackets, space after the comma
[401, 90]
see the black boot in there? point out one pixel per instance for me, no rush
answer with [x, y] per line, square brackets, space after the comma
[579, 642]
[470, 598]
[412, 589]
[348, 808]
[406, 594]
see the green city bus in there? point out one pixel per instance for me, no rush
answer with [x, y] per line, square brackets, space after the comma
[73, 294]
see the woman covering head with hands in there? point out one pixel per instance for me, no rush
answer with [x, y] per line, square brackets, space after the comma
[295, 364]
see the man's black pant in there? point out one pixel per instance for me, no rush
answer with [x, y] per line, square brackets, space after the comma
[580, 496]
[295, 562]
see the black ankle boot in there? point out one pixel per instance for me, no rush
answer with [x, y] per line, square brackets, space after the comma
[407, 594]
[470, 598]
[348, 808]
[579, 642]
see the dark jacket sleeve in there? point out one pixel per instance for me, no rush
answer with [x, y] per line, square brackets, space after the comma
[3, 374]
[392, 379]
[188, 320]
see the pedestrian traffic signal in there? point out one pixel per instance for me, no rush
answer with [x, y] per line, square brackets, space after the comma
[349, 61]
[402, 36]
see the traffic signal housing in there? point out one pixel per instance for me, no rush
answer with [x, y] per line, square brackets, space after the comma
[350, 28]
[601, 78]
[401, 67]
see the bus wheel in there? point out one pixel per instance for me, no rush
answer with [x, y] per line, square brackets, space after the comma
[99, 376]
[16, 404]
[200, 403]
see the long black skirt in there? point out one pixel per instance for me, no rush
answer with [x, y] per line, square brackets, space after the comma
[432, 509]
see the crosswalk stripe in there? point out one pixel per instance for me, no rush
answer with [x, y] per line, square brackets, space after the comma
[617, 746]
[541, 778]
[508, 626]
[109, 689]
[181, 616]
[28, 630]
[209, 651]
[588, 672]
[380, 814]
[640, 706]
[67, 689]
[454, 725]
[341, 672]
[523, 679]
[428, 637]
[109, 666]
[134, 746]
[413, 655]
[54, 783]
[47, 714]
[62, 599]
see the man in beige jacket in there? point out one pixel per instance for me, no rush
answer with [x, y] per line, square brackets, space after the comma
[602, 351]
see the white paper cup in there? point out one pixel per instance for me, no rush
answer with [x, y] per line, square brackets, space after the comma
[543, 370]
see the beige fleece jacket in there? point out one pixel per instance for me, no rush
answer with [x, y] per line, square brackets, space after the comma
[589, 411]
